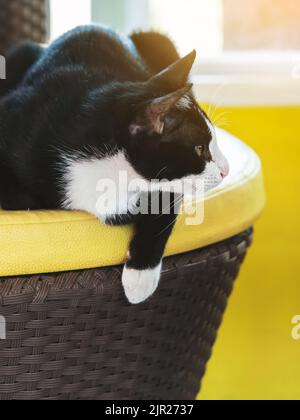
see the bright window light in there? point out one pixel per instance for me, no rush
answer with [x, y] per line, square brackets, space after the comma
[66, 14]
[191, 24]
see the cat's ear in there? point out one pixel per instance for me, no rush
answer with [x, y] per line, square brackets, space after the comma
[152, 117]
[176, 75]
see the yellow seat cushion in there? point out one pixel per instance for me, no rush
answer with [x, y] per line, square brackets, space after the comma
[52, 241]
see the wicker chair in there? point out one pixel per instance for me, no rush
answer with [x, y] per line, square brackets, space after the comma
[22, 20]
[71, 334]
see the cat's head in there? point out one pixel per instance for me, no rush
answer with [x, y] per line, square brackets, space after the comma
[168, 135]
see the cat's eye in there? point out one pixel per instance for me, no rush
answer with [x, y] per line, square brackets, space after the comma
[199, 150]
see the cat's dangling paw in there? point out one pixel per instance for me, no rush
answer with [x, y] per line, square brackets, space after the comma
[139, 285]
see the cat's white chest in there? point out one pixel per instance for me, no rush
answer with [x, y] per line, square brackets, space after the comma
[100, 186]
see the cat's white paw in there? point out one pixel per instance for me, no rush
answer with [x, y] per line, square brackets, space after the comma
[139, 285]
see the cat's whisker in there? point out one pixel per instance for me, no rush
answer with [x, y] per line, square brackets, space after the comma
[160, 172]
[210, 110]
[215, 111]
[165, 229]
[220, 119]
[214, 102]
[221, 115]
[223, 118]
[170, 207]
[223, 122]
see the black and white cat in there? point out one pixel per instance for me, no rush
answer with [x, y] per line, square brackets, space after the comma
[95, 105]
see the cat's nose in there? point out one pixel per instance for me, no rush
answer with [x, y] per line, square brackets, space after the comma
[224, 172]
[224, 167]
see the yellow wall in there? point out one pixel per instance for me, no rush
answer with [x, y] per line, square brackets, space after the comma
[255, 356]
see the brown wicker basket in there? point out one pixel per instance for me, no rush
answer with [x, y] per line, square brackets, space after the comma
[73, 336]
[21, 20]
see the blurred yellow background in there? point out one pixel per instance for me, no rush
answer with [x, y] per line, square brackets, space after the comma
[255, 356]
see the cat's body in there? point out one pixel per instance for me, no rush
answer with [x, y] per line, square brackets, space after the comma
[49, 109]
[90, 108]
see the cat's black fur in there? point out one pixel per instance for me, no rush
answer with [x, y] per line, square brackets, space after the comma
[88, 90]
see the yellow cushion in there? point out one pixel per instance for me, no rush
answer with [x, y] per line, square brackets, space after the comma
[47, 241]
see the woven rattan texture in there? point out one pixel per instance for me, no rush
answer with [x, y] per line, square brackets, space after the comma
[23, 19]
[73, 335]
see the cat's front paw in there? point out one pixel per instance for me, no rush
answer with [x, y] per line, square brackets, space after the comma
[139, 285]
